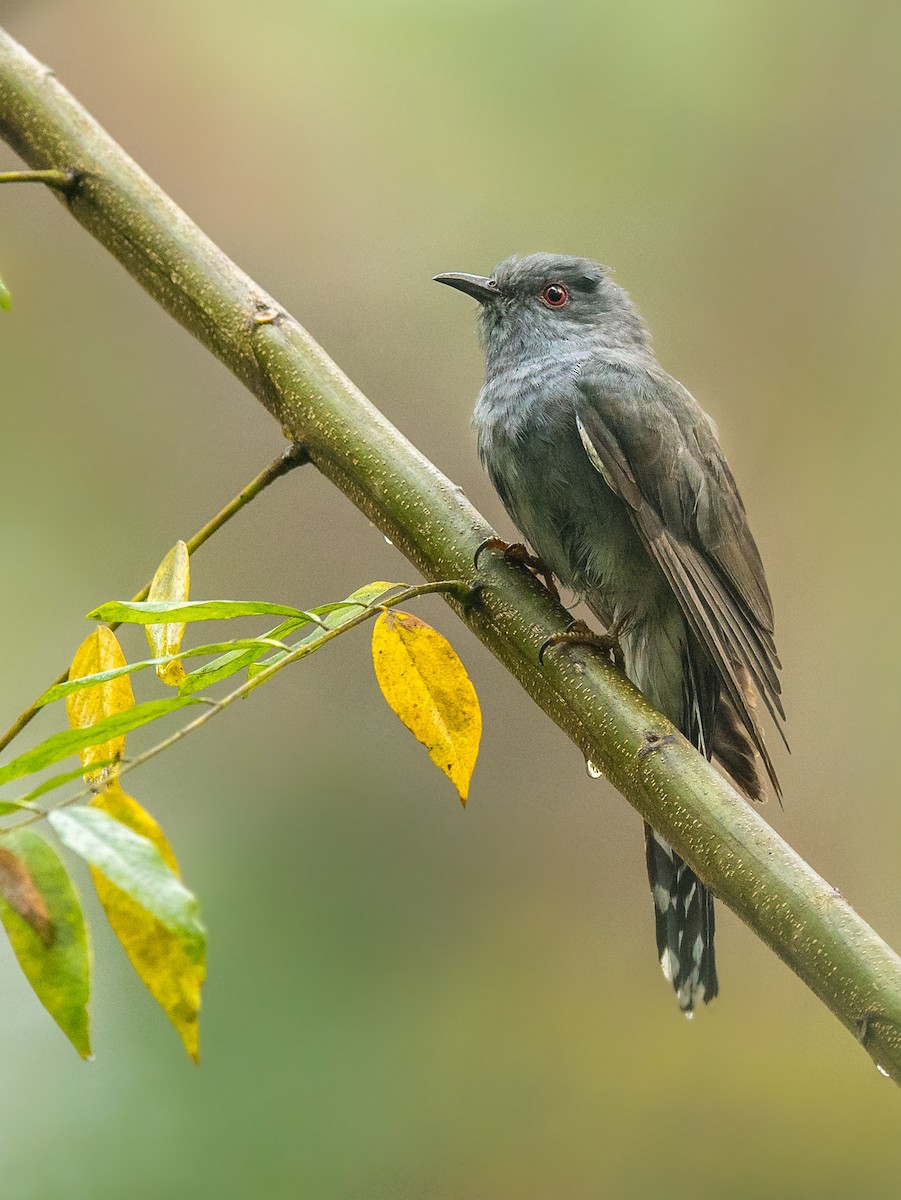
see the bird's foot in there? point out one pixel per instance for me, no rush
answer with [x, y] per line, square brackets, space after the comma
[580, 634]
[518, 553]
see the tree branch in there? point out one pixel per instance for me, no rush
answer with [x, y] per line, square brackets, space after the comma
[745, 863]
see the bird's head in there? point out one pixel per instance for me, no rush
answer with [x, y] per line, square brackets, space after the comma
[545, 299]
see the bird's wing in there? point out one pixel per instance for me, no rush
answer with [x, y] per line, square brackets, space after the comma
[658, 450]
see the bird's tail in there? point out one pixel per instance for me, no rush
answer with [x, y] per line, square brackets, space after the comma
[665, 662]
[683, 912]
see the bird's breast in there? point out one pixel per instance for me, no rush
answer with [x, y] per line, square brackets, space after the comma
[529, 443]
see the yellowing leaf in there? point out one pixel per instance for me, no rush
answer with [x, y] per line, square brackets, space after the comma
[169, 969]
[425, 683]
[171, 584]
[100, 651]
[59, 969]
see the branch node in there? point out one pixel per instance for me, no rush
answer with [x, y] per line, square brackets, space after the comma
[467, 594]
[61, 181]
[266, 314]
[654, 741]
[295, 454]
[74, 180]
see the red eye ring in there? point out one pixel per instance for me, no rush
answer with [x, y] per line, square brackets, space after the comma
[555, 295]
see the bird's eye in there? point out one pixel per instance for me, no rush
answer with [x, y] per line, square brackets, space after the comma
[555, 295]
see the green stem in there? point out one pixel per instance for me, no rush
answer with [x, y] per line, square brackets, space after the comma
[795, 912]
[450, 586]
[294, 456]
[63, 181]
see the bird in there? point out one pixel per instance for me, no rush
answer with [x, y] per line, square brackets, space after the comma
[614, 474]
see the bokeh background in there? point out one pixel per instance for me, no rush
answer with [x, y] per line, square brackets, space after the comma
[406, 1000]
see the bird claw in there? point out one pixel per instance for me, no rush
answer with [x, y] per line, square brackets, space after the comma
[516, 552]
[580, 634]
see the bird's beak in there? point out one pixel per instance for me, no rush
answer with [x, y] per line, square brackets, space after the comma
[477, 286]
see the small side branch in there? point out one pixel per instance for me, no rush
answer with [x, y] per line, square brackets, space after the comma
[293, 456]
[62, 181]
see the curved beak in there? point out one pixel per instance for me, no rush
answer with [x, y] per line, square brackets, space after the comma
[478, 286]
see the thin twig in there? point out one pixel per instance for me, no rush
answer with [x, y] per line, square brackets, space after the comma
[62, 181]
[454, 586]
[293, 456]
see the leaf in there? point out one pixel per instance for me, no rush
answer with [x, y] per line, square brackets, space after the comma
[217, 670]
[146, 612]
[59, 972]
[11, 806]
[172, 584]
[171, 973]
[61, 745]
[367, 594]
[425, 683]
[230, 664]
[135, 865]
[61, 690]
[18, 890]
[6, 300]
[51, 784]
[334, 615]
[100, 651]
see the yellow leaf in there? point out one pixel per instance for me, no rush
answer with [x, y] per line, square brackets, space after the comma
[425, 683]
[100, 651]
[169, 972]
[171, 583]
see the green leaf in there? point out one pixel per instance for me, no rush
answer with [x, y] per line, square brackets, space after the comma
[334, 615]
[50, 784]
[370, 592]
[217, 670]
[6, 300]
[148, 612]
[11, 806]
[136, 867]
[60, 972]
[61, 745]
[60, 690]
[230, 664]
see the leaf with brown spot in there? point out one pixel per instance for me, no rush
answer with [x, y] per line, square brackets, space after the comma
[58, 970]
[18, 890]
[426, 684]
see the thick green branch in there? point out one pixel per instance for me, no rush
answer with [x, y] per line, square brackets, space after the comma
[803, 919]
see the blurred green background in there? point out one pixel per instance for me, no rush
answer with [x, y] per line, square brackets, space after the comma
[406, 1000]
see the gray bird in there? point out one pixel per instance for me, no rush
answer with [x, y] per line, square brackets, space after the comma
[614, 474]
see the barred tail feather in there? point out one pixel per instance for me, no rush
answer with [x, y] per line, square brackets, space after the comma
[673, 670]
[683, 911]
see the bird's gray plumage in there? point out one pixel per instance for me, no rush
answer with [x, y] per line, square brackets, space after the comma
[614, 473]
